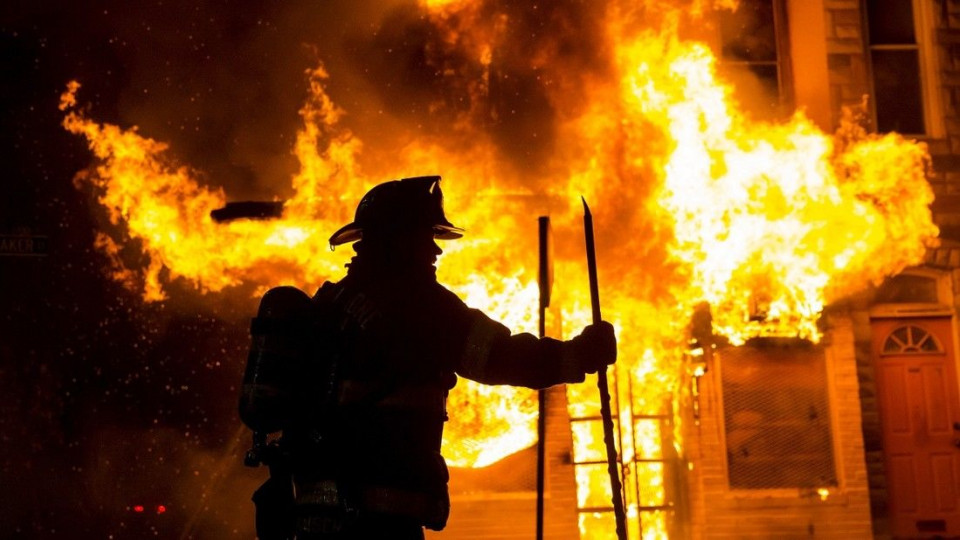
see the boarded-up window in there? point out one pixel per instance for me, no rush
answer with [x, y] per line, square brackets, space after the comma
[777, 416]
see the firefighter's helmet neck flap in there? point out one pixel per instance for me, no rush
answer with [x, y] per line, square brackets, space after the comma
[397, 209]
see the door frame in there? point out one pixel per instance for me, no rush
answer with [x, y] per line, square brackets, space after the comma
[905, 312]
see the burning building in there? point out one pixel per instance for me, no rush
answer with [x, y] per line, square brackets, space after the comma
[768, 179]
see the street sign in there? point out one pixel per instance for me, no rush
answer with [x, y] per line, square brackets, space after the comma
[23, 245]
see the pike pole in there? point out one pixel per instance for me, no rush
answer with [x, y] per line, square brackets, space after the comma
[615, 486]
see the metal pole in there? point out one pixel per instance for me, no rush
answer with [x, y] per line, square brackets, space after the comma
[544, 278]
[605, 413]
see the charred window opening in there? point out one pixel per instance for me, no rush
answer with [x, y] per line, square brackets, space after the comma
[777, 416]
[895, 59]
[752, 55]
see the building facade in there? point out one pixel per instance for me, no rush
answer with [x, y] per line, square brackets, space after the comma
[857, 436]
[884, 410]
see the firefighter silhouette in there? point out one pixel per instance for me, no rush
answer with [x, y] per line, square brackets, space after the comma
[356, 378]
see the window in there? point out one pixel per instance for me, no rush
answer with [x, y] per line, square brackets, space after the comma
[752, 55]
[908, 288]
[899, 57]
[776, 416]
[911, 340]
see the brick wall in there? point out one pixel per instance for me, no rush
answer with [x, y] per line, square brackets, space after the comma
[870, 418]
[718, 512]
[560, 522]
[946, 152]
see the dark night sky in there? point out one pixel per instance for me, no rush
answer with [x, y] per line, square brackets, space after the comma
[107, 402]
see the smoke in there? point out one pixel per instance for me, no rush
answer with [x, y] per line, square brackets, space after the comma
[224, 83]
[506, 70]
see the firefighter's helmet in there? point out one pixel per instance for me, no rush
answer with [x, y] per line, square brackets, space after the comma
[399, 205]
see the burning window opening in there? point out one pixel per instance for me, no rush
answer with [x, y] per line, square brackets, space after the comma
[752, 43]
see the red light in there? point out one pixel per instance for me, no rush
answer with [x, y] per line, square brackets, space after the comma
[138, 508]
[161, 509]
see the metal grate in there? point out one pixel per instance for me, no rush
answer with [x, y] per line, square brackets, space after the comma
[776, 416]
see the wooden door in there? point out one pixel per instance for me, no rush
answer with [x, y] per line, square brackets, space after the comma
[920, 414]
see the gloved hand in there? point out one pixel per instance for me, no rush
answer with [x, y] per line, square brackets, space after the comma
[595, 347]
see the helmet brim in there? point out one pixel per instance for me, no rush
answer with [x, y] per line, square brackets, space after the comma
[352, 232]
[447, 232]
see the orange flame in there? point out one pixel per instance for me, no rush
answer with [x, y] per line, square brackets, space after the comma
[776, 215]
[694, 203]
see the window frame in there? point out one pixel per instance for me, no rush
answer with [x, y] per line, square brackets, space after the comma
[783, 64]
[904, 351]
[924, 30]
[943, 307]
